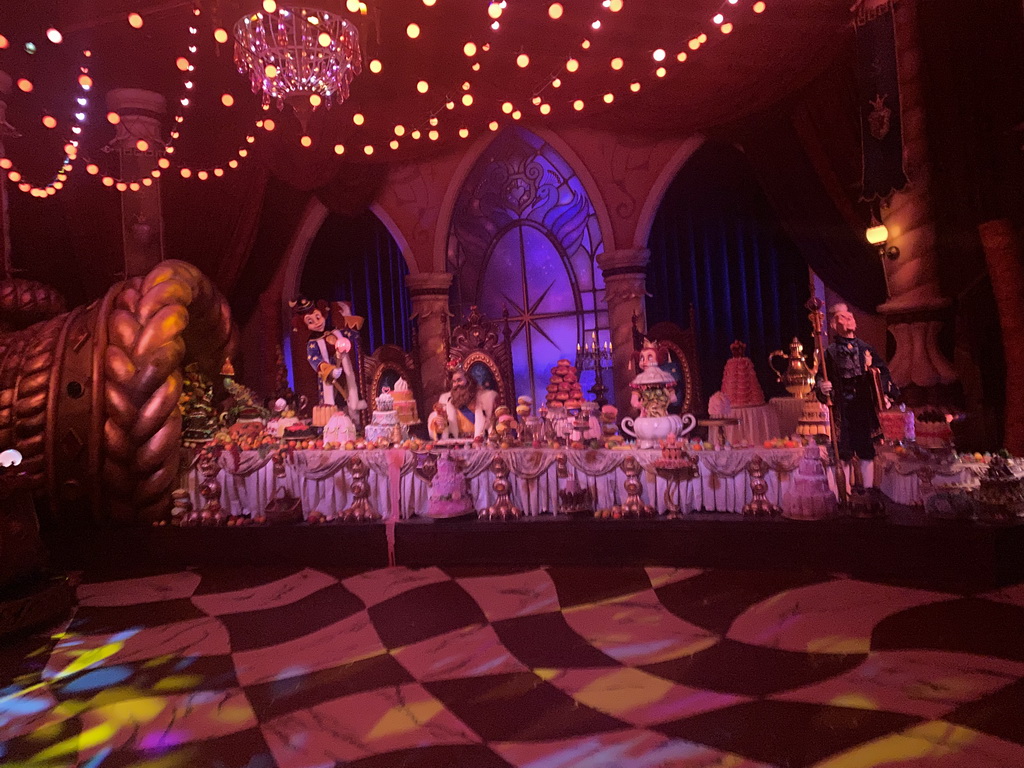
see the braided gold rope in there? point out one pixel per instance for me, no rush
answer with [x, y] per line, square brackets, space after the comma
[24, 302]
[153, 322]
[31, 395]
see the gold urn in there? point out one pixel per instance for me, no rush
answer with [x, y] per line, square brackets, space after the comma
[798, 379]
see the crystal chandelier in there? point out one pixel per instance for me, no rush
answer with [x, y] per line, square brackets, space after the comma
[303, 57]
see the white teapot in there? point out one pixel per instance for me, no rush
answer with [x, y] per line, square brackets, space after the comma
[649, 431]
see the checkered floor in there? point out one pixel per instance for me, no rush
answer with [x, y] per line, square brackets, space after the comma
[538, 668]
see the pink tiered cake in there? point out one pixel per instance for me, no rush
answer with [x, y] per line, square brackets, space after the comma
[810, 498]
[897, 426]
[933, 430]
[449, 491]
[739, 380]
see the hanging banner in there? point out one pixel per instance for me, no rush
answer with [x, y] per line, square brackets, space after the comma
[878, 91]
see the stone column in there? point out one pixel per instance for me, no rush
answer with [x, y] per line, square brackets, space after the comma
[429, 294]
[916, 309]
[625, 286]
[141, 113]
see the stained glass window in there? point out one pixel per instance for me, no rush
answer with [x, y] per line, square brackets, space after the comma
[523, 239]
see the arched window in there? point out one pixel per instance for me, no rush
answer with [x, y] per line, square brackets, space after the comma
[523, 239]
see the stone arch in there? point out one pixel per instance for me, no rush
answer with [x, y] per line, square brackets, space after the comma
[312, 220]
[651, 205]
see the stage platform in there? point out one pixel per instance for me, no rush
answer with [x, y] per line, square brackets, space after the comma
[904, 547]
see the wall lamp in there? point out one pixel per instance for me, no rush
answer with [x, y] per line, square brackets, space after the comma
[877, 235]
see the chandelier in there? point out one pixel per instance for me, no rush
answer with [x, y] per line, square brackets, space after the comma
[302, 57]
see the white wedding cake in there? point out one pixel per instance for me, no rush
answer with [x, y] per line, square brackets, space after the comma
[339, 430]
[385, 427]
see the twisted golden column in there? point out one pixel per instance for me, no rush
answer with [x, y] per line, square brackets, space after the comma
[90, 397]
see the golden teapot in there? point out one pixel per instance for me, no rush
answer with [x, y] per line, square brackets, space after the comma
[798, 379]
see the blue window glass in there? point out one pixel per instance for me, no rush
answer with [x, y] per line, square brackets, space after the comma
[523, 239]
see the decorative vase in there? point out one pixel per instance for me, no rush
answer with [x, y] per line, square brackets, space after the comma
[649, 431]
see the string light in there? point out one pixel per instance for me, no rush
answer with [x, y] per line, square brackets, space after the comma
[555, 11]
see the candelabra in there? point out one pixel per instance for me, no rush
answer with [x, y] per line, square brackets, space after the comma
[596, 357]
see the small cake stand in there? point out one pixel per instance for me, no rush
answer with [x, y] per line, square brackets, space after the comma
[721, 424]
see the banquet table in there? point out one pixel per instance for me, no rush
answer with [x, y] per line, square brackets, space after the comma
[910, 480]
[323, 480]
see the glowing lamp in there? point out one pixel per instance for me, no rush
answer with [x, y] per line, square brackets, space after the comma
[877, 235]
[10, 458]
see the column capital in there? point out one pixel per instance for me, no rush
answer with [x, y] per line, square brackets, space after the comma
[625, 261]
[424, 284]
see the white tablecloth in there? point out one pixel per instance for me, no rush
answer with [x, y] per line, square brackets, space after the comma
[322, 479]
[909, 481]
[788, 411]
[757, 424]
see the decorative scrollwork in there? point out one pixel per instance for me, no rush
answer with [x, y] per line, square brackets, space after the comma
[361, 509]
[479, 340]
[502, 508]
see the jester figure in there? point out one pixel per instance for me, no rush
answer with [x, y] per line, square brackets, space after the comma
[329, 353]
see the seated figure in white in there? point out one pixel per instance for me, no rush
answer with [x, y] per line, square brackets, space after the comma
[465, 411]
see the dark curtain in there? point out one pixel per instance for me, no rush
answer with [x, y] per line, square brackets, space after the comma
[835, 250]
[281, 212]
[355, 259]
[717, 245]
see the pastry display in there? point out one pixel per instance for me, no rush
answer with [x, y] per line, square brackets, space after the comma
[897, 425]
[384, 426]
[739, 380]
[1000, 494]
[810, 497]
[564, 385]
[932, 430]
[298, 431]
[813, 418]
[199, 420]
[339, 430]
[405, 403]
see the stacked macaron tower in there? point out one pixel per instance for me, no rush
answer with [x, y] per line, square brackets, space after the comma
[564, 387]
[739, 379]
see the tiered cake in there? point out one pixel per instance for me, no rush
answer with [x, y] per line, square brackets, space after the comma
[384, 427]
[564, 388]
[813, 418]
[933, 430]
[810, 498]
[739, 380]
[897, 425]
[405, 404]
[1000, 495]
[449, 491]
[339, 430]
